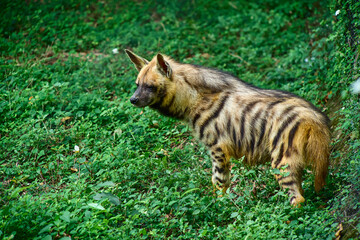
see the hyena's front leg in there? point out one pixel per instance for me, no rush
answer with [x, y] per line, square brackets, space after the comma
[220, 169]
[290, 164]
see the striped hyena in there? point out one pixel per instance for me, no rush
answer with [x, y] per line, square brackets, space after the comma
[235, 119]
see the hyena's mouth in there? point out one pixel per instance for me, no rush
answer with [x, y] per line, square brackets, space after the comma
[138, 104]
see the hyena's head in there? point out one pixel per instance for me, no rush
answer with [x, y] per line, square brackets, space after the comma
[151, 81]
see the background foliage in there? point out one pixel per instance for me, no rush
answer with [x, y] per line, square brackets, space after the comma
[140, 175]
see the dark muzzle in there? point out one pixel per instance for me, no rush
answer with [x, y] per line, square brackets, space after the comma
[134, 100]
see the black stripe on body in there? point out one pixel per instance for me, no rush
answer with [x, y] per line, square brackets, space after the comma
[292, 134]
[264, 121]
[196, 117]
[291, 138]
[262, 129]
[271, 105]
[228, 125]
[215, 114]
[253, 133]
[283, 126]
[246, 110]
[252, 143]
[286, 111]
[234, 137]
[281, 154]
[203, 109]
[217, 130]
[242, 127]
[187, 82]
[167, 110]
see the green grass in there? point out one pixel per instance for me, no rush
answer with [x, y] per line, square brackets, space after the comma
[141, 175]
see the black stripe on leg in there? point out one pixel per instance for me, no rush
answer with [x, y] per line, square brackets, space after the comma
[219, 180]
[214, 142]
[218, 149]
[219, 170]
[290, 192]
[284, 177]
[219, 159]
[290, 183]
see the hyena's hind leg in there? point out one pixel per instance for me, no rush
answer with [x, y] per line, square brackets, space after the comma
[291, 165]
[220, 169]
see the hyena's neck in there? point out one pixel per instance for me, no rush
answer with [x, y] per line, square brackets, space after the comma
[179, 97]
[177, 102]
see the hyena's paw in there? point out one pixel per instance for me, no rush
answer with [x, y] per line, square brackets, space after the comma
[219, 186]
[222, 189]
[297, 200]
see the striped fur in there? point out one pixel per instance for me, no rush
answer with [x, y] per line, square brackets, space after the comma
[235, 119]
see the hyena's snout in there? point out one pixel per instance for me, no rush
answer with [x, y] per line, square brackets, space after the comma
[134, 100]
[142, 98]
[137, 101]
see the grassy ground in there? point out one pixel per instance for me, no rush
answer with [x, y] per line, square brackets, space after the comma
[143, 176]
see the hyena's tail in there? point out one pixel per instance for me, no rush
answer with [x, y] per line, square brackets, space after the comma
[317, 151]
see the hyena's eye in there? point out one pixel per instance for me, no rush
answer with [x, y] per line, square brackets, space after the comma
[151, 88]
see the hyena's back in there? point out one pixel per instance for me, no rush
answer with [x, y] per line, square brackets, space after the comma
[266, 125]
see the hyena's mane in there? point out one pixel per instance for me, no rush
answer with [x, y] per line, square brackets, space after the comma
[207, 80]
[211, 80]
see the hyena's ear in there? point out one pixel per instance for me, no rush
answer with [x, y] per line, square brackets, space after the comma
[163, 65]
[138, 61]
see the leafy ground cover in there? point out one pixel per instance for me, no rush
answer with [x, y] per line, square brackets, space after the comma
[136, 174]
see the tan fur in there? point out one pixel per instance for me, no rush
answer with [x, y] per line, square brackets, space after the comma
[235, 119]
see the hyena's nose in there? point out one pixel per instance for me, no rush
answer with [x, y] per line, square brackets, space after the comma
[134, 100]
